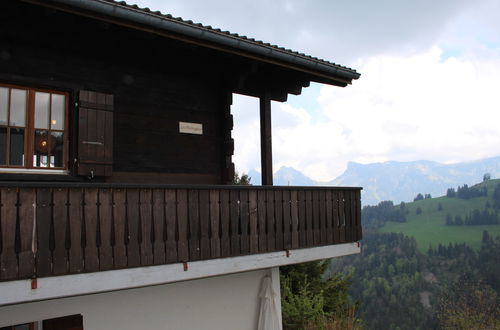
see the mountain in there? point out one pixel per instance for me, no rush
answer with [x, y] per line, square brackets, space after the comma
[396, 181]
[402, 181]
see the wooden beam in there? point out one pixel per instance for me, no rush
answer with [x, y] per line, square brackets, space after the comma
[266, 150]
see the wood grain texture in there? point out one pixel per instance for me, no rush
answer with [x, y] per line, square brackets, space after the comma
[133, 252]
[146, 219]
[43, 226]
[119, 225]
[105, 229]
[8, 215]
[27, 239]
[159, 228]
[60, 212]
[91, 260]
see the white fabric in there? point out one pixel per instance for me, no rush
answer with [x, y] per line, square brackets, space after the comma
[269, 311]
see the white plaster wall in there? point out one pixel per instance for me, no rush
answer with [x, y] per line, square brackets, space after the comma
[222, 302]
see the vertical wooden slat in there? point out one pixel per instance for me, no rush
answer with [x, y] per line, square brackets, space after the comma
[278, 217]
[215, 246]
[234, 209]
[271, 238]
[302, 218]
[105, 229]
[287, 220]
[352, 217]
[159, 228]
[119, 224]
[204, 224]
[341, 216]
[244, 220]
[309, 218]
[322, 216]
[252, 204]
[171, 209]
[194, 225]
[75, 230]
[146, 213]
[294, 219]
[358, 216]
[60, 254]
[8, 215]
[316, 223]
[261, 206]
[225, 218]
[27, 242]
[182, 225]
[329, 217]
[133, 253]
[336, 218]
[43, 226]
[91, 261]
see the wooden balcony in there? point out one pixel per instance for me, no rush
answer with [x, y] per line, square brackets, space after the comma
[50, 229]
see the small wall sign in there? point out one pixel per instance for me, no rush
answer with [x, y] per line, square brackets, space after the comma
[190, 128]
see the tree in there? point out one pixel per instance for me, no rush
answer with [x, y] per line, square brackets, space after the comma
[244, 179]
[486, 177]
[428, 196]
[419, 197]
[450, 192]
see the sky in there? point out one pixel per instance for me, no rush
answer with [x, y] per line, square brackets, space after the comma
[429, 86]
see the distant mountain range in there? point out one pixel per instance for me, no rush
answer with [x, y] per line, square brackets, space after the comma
[396, 181]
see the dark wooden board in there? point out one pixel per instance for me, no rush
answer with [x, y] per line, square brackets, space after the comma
[336, 217]
[287, 220]
[27, 239]
[215, 246]
[342, 215]
[119, 225]
[8, 257]
[244, 222]
[301, 204]
[105, 229]
[133, 252]
[253, 221]
[182, 225]
[358, 216]
[309, 218]
[60, 212]
[159, 228]
[329, 217]
[271, 231]
[204, 199]
[316, 223]
[262, 225]
[322, 217]
[294, 219]
[43, 226]
[174, 204]
[194, 225]
[75, 230]
[225, 220]
[146, 218]
[91, 254]
[234, 209]
[278, 218]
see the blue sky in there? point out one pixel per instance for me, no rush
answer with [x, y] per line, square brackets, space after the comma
[429, 87]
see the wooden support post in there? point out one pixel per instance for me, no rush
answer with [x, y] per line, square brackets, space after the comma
[266, 150]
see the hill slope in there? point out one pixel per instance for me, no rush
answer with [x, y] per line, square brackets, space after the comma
[429, 227]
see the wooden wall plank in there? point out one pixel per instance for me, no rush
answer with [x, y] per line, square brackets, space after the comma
[336, 217]
[351, 225]
[159, 229]
[182, 225]
[43, 226]
[215, 246]
[146, 219]
[271, 236]
[358, 216]
[278, 218]
[194, 225]
[309, 218]
[253, 221]
[105, 229]
[287, 220]
[171, 209]
[27, 239]
[301, 204]
[75, 230]
[262, 225]
[329, 217]
[225, 220]
[91, 255]
[8, 216]
[60, 211]
[294, 219]
[322, 217]
[234, 210]
[244, 222]
[316, 223]
[133, 252]
[341, 216]
[119, 226]
[204, 224]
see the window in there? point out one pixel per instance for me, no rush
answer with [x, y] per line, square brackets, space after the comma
[33, 128]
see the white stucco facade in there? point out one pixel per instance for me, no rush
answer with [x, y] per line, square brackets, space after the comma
[221, 302]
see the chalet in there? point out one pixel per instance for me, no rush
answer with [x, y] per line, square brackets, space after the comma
[117, 209]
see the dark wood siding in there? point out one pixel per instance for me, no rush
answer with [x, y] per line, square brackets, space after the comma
[156, 83]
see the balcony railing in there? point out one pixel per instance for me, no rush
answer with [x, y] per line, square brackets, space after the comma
[52, 229]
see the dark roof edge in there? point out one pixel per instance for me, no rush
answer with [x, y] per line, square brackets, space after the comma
[140, 16]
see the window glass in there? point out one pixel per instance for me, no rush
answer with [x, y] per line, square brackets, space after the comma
[42, 109]
[18, 107]
[58, 106]
[41, 154]
[17, 146]
[4, 105]
[56, 149]
[3, 145]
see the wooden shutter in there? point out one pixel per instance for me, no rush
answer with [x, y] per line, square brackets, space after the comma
[95, 134]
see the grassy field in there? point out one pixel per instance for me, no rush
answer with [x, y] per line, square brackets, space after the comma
[429, 227]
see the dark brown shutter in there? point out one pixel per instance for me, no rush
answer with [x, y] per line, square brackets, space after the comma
[95, 134]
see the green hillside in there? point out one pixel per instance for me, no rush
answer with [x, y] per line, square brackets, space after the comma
[429, 227]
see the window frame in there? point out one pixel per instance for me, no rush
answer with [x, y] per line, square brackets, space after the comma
[29, 135]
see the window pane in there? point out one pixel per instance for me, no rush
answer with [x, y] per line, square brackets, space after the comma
[40, 156]
[17, 146]
[57, 149]
[58, 105]
[4, 105]
[18, 107]
[42, 103]
[3, 145]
